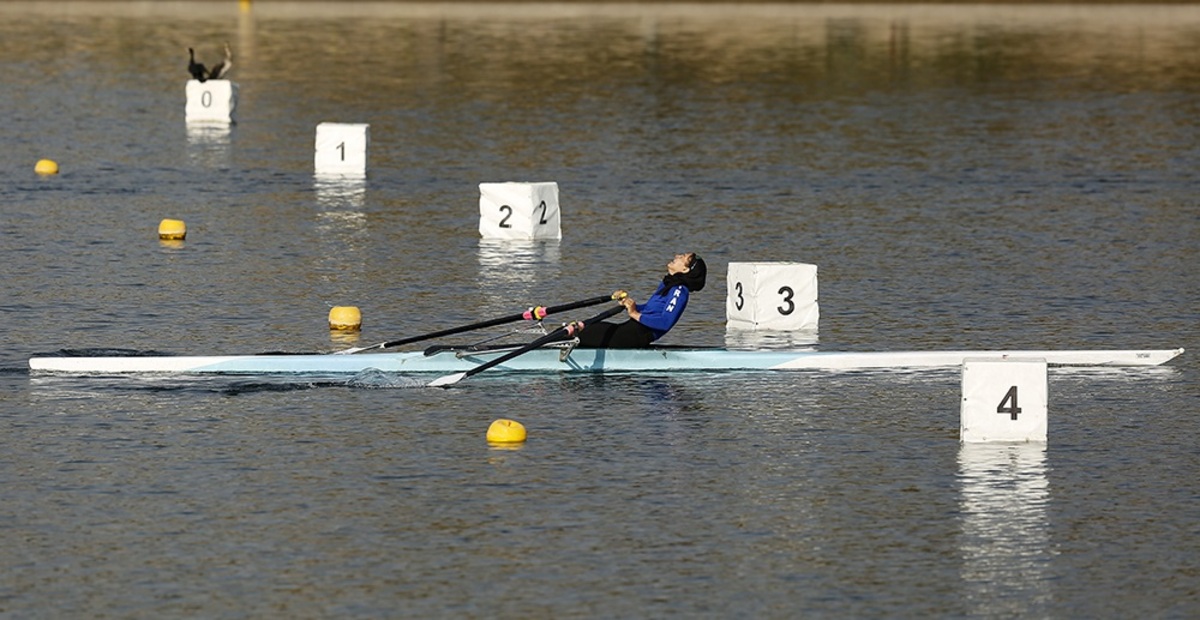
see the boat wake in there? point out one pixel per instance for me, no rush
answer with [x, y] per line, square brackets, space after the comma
[376, 379]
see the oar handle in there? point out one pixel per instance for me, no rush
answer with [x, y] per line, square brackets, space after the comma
[558, 334]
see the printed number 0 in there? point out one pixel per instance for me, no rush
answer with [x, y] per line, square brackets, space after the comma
[1013, 409]
[206, 99]
[790, 306]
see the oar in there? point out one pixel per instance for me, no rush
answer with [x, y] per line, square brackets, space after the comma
[533, 314]
[566, 330]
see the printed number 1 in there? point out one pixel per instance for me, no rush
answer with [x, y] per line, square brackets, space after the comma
[342, 147]
[1012, 409]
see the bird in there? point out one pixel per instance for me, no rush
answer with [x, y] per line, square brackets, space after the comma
[198, 71]
[221, 68]
[202, 73]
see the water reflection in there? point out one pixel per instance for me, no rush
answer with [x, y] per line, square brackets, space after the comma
[1005, 544]
[343, 229]
[343, 235]
[344, 338]
[745, 339]
[342, 220]
[340, 191]
[517, 268]
[208, 144]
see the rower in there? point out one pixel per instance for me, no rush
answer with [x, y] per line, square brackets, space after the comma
[686, 274]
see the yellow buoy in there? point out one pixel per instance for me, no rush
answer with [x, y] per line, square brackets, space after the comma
[506, 431]
[46, 166]
[345, 318]
[172, 230]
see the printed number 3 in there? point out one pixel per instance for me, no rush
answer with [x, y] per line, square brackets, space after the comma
[787, 308]
[1010, 397]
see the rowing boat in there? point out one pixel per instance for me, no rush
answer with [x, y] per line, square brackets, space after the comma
[557, 359]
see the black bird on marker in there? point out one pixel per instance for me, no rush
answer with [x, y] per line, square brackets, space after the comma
[202, 73]
[198, 70]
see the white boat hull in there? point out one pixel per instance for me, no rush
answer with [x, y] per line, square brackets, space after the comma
[661, 359]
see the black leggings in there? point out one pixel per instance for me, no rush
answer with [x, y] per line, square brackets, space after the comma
[627, 335]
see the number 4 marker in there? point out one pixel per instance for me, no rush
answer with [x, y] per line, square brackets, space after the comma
[1015, 388]
[1013, 409]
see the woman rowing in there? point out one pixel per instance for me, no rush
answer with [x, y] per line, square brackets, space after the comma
[650, 321]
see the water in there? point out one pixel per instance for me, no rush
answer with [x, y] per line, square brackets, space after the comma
[964, 177]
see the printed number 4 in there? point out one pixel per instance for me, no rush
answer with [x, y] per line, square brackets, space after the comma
[1010, 397]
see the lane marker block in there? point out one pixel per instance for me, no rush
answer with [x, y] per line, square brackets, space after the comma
[1003, 400]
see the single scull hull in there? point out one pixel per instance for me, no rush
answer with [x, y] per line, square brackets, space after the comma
[583, 360]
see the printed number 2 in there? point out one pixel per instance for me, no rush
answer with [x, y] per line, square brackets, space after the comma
[1010, 397]
[508, 213]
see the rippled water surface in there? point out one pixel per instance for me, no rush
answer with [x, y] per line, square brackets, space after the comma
[964, 177]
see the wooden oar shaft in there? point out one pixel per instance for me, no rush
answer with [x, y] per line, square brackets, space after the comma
[535, 313]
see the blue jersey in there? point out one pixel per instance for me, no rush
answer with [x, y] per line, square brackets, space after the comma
[661, 312]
